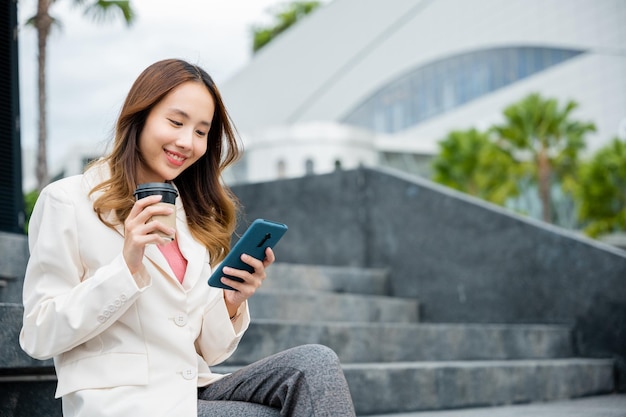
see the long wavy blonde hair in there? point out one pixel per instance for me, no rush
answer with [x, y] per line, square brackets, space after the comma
[210, 206]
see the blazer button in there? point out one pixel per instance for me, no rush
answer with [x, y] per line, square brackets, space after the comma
[102, 319]
[189, 374]
[180, 320]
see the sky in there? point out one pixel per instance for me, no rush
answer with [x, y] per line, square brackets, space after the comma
[91, 66]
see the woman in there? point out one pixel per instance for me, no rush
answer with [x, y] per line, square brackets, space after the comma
[127, 315]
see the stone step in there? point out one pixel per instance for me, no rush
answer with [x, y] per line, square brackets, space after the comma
[388, 342]
[613, 405]
[315, 306]
[401, 387]
[354, 280]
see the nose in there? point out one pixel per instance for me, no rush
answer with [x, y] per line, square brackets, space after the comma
[185, 139]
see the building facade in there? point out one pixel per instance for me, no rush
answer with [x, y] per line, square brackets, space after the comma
[401, 74]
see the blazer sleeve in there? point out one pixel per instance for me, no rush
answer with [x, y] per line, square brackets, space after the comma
[220, 335]
[62, 309]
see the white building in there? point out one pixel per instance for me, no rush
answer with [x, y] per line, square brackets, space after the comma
[307, 148]
[381, 81]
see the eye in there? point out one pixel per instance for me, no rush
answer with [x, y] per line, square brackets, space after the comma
[201, 133]
[175, 122]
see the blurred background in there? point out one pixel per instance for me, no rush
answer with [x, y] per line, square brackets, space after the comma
[521, 103]
[93, 61]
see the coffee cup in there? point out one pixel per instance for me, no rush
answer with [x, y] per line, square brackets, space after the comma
[169, 194]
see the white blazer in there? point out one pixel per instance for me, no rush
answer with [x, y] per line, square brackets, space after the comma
[122, 345]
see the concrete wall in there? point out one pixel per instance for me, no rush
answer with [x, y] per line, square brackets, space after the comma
[13, 258]
[466, 260]
[27, 385]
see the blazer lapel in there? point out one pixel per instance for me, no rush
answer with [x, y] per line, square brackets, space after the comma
[154, 255]
[194, 252]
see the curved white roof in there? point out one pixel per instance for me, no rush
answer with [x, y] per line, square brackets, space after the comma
[325, 66]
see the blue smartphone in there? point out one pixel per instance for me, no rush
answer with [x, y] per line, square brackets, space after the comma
[261, 234]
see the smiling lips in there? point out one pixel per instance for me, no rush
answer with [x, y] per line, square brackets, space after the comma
[175, 158]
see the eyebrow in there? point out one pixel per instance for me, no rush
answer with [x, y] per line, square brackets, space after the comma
[186, 116]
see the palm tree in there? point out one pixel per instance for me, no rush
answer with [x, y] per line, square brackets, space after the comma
[538, 131]
[468, 161]
[43, 21]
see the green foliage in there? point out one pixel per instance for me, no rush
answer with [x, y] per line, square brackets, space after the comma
[545, 142]
[468, 161]
[602, 190]
[29, 203]
[285, 16]
[535, 148]
[105, 10]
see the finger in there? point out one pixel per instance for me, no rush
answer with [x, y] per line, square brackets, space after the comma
[238, 273]
[153, 210]
[142, 203]
[144, 209]
[148, 220]
[269, 257]
[156, 226]
[252, 281]
[141, 231]
[243, 290]
[252, 261]
[138, 239]
[232, 283]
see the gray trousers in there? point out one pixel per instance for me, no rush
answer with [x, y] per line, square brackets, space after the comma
[300, 382]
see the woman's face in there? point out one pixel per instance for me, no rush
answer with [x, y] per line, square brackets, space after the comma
[176, 132]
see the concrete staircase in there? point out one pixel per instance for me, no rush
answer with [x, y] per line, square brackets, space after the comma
[395, 364]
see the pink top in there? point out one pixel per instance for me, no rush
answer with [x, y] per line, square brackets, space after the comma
[175, 258]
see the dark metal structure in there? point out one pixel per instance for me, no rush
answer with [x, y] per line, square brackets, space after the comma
[11, 196]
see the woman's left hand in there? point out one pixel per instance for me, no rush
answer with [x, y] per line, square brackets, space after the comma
[251, 281]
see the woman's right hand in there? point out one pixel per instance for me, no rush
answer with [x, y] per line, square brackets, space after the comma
[139, 231]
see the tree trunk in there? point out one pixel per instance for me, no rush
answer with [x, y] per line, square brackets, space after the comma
[543, 174]
[43, 22]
